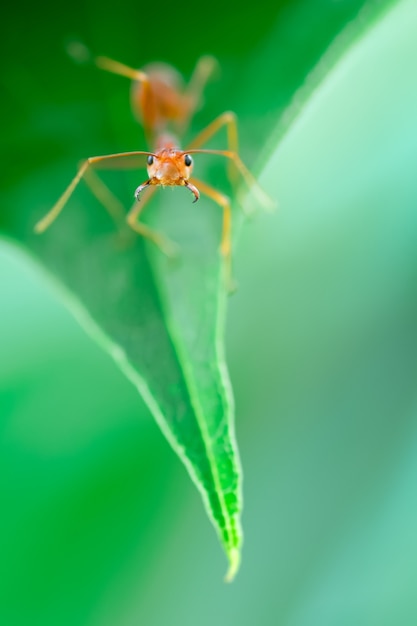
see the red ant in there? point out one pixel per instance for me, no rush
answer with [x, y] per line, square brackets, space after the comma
[159, 102]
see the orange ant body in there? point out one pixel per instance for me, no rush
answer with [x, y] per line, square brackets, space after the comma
[162, 105]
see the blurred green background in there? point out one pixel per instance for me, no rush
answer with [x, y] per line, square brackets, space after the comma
[99, 523]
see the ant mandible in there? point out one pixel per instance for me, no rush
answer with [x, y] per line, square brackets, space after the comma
[159, 103]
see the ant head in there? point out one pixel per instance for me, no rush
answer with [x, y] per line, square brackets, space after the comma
[170, 167]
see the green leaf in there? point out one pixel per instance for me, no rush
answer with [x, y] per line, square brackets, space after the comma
[161, 320]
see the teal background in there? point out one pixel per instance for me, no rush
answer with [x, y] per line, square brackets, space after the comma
[99, 522]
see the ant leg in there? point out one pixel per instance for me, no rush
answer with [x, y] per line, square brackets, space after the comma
[229, 120]
[226, 239]
[122, 70]
[265, 200]
[51, 216]
[168, 247]
[80, 53]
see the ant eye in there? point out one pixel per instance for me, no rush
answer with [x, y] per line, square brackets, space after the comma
[188, 160]
[150, 159]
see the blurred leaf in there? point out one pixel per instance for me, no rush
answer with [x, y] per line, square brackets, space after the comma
[336, 306]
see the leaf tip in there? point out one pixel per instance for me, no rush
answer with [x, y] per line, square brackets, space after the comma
[234, 564]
